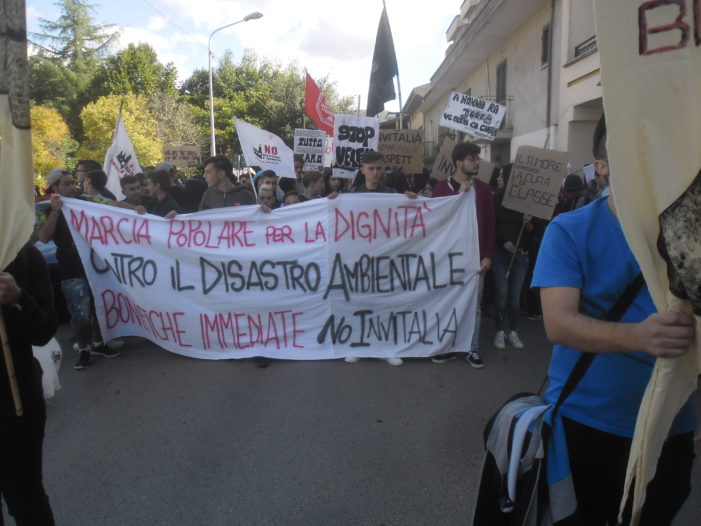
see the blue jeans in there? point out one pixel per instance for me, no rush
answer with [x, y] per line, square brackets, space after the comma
[78, 301]
[507, 292]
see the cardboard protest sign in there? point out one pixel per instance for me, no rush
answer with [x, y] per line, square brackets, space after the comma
[120, 159]
[403, 148]
[656, 180]
[362, 275]
[535, 181]
[182, 155]
[443, 165]
[354, 136]
[473, 116]
[311, 144]
[486, 169]
[265, 149]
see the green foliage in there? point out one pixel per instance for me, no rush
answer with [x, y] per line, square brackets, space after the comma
[135, 69]
[99, 120]
[52, 144]
[258, 91]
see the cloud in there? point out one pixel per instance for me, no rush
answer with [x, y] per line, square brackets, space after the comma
[157, 23]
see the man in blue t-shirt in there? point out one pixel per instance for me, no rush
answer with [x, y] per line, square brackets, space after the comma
[583, 267]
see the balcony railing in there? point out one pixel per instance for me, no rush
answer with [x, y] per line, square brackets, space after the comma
[585, 47]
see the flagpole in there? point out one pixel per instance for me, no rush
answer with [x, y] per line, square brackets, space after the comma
[10, 366]
[358, 104]
[399, 85]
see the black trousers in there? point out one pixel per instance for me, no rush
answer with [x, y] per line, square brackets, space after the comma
[598, 462]
[21, 484]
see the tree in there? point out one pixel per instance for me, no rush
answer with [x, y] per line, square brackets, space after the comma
[258, 91]
[179, 122]
[135, 69]
[75, 45]
[100, 117]
[52, 144]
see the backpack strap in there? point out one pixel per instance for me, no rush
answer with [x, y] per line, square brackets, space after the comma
[615, 313]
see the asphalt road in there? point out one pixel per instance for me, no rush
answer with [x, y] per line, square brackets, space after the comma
[153, 438]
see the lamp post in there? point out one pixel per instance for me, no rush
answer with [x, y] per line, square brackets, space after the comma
[251, 16]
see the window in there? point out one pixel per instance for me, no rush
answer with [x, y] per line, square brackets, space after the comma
[545, 46]
[501, 82]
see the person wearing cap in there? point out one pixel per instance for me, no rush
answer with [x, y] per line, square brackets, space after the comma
[74, 283]
[221, 191]
[572, 190]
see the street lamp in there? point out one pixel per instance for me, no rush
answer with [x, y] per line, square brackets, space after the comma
[251, 16]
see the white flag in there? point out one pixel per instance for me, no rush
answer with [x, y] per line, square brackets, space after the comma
[120, 159]
[265, 149]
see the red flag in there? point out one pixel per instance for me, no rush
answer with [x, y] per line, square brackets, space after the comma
[316, 107]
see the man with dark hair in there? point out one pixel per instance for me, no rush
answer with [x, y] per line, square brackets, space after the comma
[221, 192]
[131, 188]
[583, 267]
[176, 191]
[162, 203]
[372, 167]
[27, 308]
[314, 185]
[466, 157]
[74, 283]
[82, 169]
[299, 166]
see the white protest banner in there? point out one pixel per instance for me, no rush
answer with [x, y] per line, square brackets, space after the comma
[651, 72]
[120, 159]
[265, 149]
[354, 136]
[476, 117]
[182, 155]
[486, 170]
[361, 275]
[311, 144]
[535, 181]
[443, 165]
[403, 148]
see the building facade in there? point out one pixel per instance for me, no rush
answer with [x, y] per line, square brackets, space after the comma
[537, 57]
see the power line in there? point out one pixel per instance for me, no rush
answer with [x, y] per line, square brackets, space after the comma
[173, 22]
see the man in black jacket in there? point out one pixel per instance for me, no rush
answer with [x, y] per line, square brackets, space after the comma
[27, 308]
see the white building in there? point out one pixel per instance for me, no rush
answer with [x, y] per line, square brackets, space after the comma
[538, 57]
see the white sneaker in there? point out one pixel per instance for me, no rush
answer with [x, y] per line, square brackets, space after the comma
[499, 342]
[351, 359]
[514, 340]
[394, 361]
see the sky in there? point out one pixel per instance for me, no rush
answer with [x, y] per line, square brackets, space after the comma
[327, 37]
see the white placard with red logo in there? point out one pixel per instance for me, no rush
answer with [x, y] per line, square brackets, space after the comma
[265, 149]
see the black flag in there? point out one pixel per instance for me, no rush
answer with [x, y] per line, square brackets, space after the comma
[384, 68]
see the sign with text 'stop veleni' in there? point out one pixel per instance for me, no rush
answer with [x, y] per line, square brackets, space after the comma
[536, 178]
[366, 275]
[473, 116]
[354, 136]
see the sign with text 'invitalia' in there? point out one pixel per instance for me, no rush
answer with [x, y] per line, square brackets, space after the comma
[443, 165]
[371, 275]
[403, 149]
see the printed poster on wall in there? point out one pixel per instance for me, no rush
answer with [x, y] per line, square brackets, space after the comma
[354, 136]
[473, 116]
[371, 275]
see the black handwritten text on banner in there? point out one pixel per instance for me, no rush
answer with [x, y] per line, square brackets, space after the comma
[371, 275]
[473, 116]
